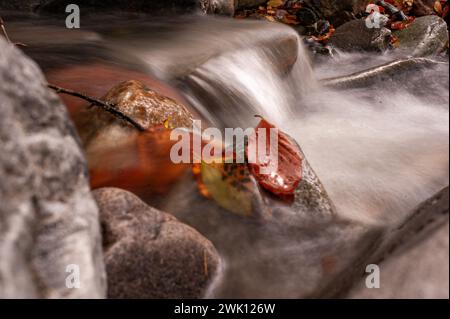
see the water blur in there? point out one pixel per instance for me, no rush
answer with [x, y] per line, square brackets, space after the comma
[380, 151]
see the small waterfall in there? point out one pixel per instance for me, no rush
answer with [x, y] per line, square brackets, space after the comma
[379, 150]
[230, 89]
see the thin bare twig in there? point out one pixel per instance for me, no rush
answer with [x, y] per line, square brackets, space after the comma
[2, 27]
[5, 34]
[105, 106]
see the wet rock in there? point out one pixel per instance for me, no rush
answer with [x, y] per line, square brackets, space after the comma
[395, 13]
[424, 37]
[419, 273]
[337, 12]
[299, 248]
[321, 27]
[423, 7]
[292, 256]
[150, 254]
[306, 16]
[318, 51]
[48, 218]
[120, 155]
[398, 70]
[414, 257]
[356, 36]
[101, 130]
[227, 7]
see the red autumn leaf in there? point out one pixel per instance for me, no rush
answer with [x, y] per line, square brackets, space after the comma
[284, 180]
[445, 12]
[398, 25]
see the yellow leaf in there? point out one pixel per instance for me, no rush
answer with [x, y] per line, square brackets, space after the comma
[438, 7]
[228, 195]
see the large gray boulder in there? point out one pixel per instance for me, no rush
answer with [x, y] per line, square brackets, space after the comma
[49, 225]
[426, 36]
[150, 254]
[356, 36]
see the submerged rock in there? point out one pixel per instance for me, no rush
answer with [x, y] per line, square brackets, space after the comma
[424, 37]
[48, 218]
[418, 273]
[356, 36]
[150, 254]
[413, 258]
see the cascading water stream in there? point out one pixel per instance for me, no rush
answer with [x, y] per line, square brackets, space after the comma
[379, 150]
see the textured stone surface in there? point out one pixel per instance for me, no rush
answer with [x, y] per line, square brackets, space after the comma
[423, 7]
[424, 37]
[421, 272]
[413, 256]
[305, 250]
[118, 154]
[337, 11]
[355, 36]
[150, 254]
[48, 218]
[396, 70]
[134, 99]
[296, 252]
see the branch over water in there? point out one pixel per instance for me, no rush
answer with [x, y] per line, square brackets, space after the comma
[105, 106]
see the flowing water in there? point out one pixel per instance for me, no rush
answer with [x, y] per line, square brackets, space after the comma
[379, 150]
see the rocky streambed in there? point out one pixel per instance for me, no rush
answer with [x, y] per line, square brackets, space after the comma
[80, 188]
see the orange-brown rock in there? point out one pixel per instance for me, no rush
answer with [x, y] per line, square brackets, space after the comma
[118, 154]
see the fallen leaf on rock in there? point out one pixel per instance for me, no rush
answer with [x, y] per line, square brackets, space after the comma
[438, 7]
[231, 186]
[400, 25]
[284, 180]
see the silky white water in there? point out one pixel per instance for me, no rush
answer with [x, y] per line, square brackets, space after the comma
[379, 151]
